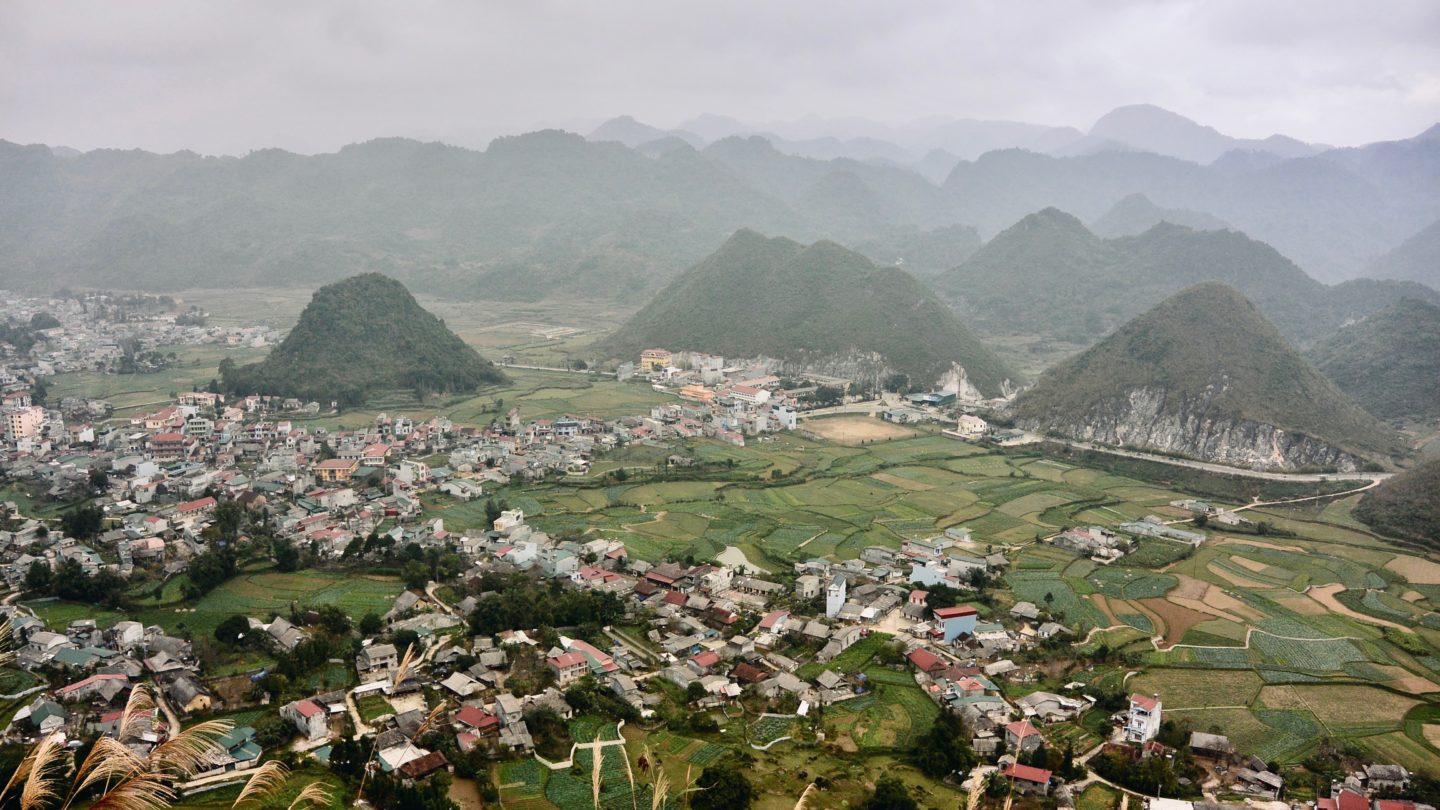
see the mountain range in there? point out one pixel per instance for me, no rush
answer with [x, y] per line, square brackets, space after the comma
[1204, 375]
[819, 307]
[550, 214]
[360, 336]
[1049, 275]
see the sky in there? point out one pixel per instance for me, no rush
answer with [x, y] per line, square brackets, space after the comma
[222, 77]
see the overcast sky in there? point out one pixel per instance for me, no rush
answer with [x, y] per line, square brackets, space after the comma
[227, 77]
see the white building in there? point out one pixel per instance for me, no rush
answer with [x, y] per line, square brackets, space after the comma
[1143, 721]
[835, 596]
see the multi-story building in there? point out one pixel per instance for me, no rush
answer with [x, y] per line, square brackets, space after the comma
[1143, 722]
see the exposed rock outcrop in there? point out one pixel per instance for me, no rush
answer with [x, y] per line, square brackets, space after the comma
[1144, 419]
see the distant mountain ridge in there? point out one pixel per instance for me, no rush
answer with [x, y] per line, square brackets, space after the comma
[360, 336]
[817, 307]
[551, 214]
[1204, 375]
[1049, 275]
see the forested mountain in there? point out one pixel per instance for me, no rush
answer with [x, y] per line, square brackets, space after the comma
[1049, 275]
[551, 214]
[1152, 129]
[1406, 506]
[818, 306]
[1389, 362]
[359, 336]
[1204, 375]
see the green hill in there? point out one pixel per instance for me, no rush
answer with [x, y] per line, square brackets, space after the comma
[1389, 362]
[1406, 506]
[1048, 275]
[359, 336]
[820, 306]
[1204, 375]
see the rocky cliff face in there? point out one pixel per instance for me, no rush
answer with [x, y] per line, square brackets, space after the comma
[871, 368]
[1145, 419]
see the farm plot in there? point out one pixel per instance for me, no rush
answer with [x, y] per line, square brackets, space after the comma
[1129, 583]
[891, 717]
[1304, 655]
[1194, 689]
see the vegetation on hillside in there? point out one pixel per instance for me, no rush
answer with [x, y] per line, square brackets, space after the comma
[358, 336]
[1049, 275]
[1406, 506]
[775, 297]
[1207, 347]
[1389, 362]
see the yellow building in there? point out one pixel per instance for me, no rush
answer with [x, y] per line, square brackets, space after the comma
[655, 359]
[336, 470]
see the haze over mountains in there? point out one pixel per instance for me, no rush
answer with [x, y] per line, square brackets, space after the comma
[551, 214]
[1049, 275]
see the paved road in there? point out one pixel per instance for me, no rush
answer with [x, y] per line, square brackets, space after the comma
[561, 370]
[1221, 468]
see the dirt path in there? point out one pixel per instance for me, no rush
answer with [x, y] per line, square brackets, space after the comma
[1325, 595]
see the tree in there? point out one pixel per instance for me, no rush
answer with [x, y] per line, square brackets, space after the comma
[944, 749]
[83, 522]
[415, 574]
[334, 620]
[39, 578]
[370, 624]
[233, 630]
[287, 557]
[723, 786]
[891, 794]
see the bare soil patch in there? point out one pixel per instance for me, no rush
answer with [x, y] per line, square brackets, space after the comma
[1300, 603]
[1325, 595]
[857, 429]
[1104, 605]
[1432, 734]
[1407, 681]
[1189, 587]
[1415, 569]
[1236, 541]
[1175, 619]
[1220, 600]
[1235, 579]
[1412, 596]
[1246, 562]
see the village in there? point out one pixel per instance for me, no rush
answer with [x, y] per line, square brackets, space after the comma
[450, 673]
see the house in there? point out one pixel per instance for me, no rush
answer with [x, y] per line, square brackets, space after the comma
[1211, 746]
[421, 767]
[1386, 778]
[377, 661]
[309, 718]
[568, 667]
[956, 621]
[1142, 722]
[103, 687]
[284, 634]
[186, 695]
[462, 685]
[807, 586]
[1261, 783]
[1028, 779]
[477, 721]
[336, 470]
[1022, 736]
